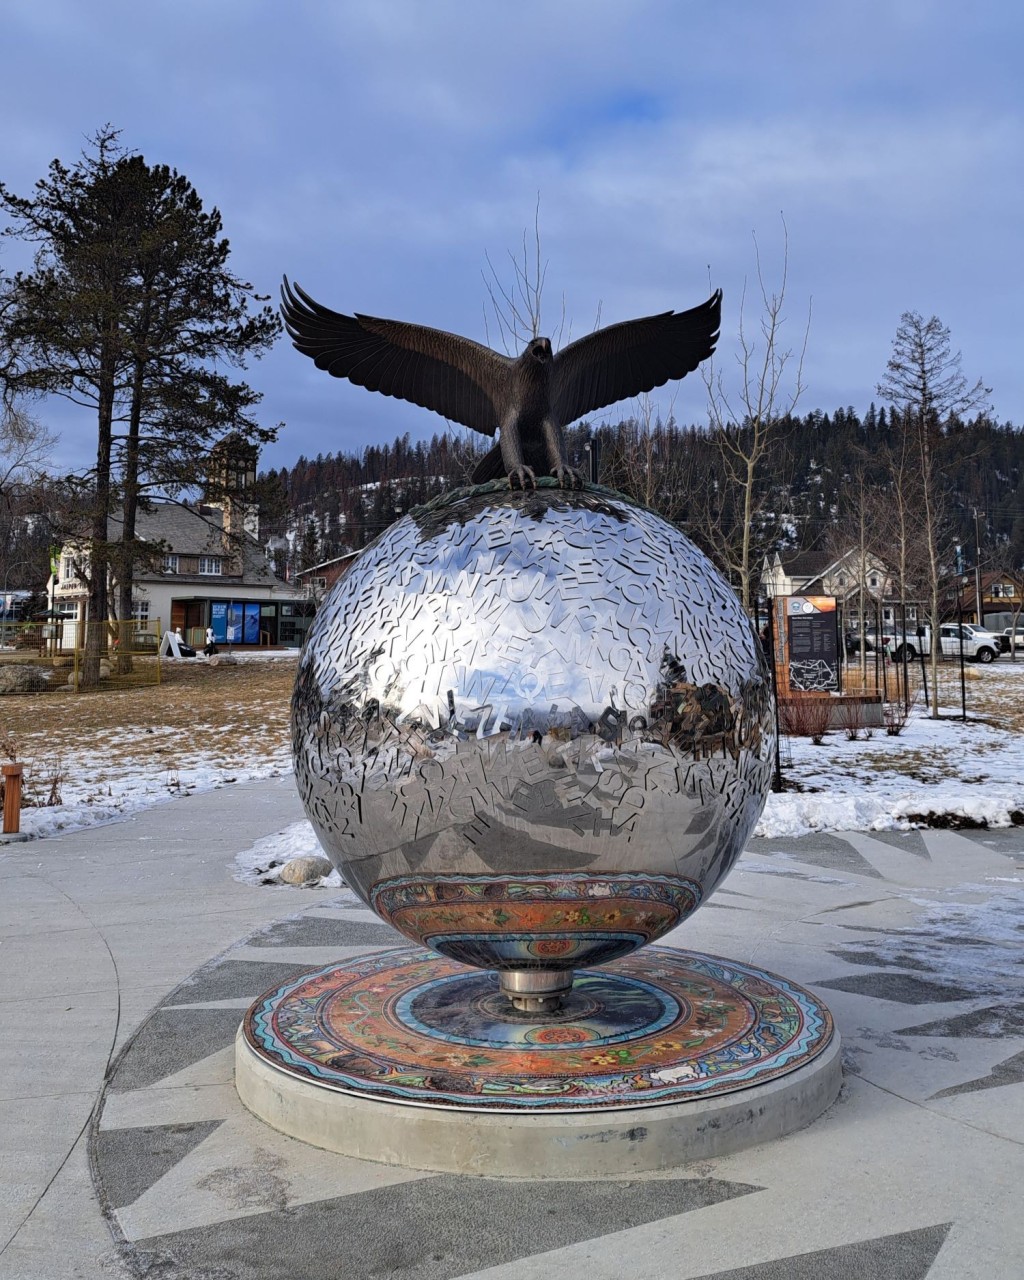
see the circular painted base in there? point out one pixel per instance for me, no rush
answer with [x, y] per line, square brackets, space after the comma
[658, 1027]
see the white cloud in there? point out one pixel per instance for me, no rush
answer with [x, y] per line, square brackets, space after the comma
[376, 150]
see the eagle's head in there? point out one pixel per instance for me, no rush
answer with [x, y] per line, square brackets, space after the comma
[540, 350]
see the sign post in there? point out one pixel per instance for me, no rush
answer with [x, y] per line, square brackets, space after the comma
[807, 648]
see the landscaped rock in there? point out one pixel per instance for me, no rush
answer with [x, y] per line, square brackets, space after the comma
[15, 678]
[306, 870]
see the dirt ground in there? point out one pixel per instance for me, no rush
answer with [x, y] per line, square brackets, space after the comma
[197, 709]
[205, 711]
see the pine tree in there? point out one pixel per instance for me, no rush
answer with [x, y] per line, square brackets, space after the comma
[130, 310]
[925, 383]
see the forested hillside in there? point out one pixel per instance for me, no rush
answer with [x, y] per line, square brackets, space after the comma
[821, 474]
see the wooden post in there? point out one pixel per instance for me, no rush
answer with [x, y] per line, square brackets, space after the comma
[12, 797]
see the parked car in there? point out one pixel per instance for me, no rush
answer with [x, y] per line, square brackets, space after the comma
[978, 643]
[908, 644]
[851, 643]
[1012, 636]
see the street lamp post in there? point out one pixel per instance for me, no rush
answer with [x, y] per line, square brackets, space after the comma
[592, 450]
[977, 567]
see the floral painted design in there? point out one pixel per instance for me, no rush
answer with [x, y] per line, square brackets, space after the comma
[569, 919]
[661, 1025]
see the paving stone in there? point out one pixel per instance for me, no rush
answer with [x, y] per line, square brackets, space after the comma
[316, 931]
[898, 986]
[131, 1160]
[906, 1256]
[433, 1229]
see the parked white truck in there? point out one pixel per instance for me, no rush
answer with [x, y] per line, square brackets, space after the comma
[980, 645]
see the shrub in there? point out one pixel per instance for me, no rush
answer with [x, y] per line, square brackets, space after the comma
[895, 716]
[851, 718]
[807, 717]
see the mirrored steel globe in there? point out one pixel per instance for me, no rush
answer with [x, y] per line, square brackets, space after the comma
[533, 731]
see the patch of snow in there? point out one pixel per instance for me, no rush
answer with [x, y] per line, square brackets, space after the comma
[935, 772]
[261, 862]
[975, 944]
[248, 655]
[88, 801]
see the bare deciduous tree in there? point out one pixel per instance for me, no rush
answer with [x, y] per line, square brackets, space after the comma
[25, 447]
[516, 306]
[851, 537]
[645, 459]
[747, 414]
[925, 383]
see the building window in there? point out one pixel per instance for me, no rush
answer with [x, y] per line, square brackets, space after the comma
[873, 580]
[209, 564]
[841, 579]
[140, 610]
[67, 569]
[1002, 591]
[319, 584]
[170, 564]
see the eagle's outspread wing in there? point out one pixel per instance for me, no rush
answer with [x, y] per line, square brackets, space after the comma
[460, 379]
[633, 357]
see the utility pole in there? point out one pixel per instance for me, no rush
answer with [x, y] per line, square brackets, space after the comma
[977, 568]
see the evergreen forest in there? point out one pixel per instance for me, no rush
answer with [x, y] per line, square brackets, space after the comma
[826, 478]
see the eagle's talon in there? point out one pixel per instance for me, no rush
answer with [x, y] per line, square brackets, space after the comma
[568, 477]
[522, 478]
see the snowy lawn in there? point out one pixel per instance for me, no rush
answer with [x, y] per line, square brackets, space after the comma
[936, 772]
[103, 757]
[97, 757]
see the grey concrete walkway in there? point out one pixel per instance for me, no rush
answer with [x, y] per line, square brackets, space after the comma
[95, 929]
[124, 1151]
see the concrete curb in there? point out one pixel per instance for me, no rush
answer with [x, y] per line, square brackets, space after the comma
[597, 1144]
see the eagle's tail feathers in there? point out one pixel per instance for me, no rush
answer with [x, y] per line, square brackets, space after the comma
[490, 467]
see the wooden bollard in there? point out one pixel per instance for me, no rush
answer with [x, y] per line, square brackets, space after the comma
[12, 797]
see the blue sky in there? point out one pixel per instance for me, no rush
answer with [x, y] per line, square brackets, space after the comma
[376, 152]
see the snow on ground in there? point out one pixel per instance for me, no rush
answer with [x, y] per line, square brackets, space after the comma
[255, 655]
[935, 773]
[260, 863]
[109, 777]
[88, 800]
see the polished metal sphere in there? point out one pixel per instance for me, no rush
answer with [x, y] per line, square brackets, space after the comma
[533, 731]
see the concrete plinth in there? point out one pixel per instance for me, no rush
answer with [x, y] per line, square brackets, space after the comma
[546, 1145]
[655, 1060]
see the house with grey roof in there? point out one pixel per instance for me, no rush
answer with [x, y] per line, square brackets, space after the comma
[853, 577]
[207, 569]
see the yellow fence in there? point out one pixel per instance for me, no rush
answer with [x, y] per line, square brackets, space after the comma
[50, 656]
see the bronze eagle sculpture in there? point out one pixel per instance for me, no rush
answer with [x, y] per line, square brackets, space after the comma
[527, 400]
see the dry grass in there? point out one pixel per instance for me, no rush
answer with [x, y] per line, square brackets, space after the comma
[196, 708]
[995, 692]
[219, 714]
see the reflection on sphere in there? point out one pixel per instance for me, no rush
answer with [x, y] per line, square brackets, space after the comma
[533, 730]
